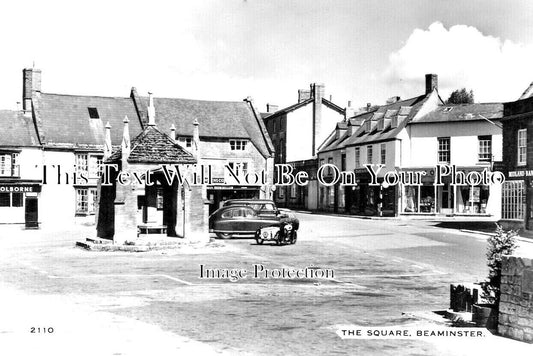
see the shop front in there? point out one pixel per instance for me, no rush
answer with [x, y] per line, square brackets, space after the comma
[218, 194]
[424, 196]
[368, 200]
[19, 203]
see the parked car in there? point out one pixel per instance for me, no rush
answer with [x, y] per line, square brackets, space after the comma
[243, 220]
[262, 206]
[265, 207]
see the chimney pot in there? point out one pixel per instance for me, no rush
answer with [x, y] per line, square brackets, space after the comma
[368, 106]
[272, 108]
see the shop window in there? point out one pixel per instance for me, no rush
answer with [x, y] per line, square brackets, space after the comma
[9, 166]
[17, 199]
[444, 150]
[513, 200]
[411, 199]
[331, 196]
[522, 146]
[485, 148]
[11, 200]
[427, 199]
[281, 192]
[238, 145]
[383, 153]
[357, 157]
[369, 154]
[5, 199]
[472, 200]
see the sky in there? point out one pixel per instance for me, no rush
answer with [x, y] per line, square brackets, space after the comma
[361, 50]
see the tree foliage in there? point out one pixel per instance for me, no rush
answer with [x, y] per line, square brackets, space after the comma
[461, 96]
[500, 244]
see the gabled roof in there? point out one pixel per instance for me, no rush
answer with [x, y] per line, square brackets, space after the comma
[404, 110]
[217, 119]
[462, 112]
[291, 108]
[361, 137]
[17, 130]
[332, 106]
[65, 121]
[154, 146]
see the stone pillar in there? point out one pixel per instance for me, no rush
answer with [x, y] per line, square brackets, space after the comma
[179, 211]
[196, 214]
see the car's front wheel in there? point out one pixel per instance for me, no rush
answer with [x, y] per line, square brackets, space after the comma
[223, 235]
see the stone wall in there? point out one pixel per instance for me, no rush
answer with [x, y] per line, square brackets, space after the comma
[516, 303]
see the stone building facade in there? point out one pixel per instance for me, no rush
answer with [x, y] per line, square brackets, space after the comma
[297, 132]
[66, 134]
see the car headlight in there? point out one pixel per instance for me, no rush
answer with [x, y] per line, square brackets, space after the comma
[288, 227]
[265, 234]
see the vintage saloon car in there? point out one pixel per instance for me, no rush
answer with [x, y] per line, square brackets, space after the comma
[243, 220]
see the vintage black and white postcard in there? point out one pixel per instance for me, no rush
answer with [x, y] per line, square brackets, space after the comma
[266, 177]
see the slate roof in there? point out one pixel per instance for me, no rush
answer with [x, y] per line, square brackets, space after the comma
[17, 130]
[463, 112]
[217, 119]
[404, 110]
[154, 146]
[64, 120]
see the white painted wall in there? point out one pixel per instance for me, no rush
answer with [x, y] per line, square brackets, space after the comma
[299, 136]
[464, 144]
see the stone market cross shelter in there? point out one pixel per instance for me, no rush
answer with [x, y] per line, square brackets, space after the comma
[184, 206]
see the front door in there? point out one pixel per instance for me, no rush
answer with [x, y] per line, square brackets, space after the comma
[31, 213]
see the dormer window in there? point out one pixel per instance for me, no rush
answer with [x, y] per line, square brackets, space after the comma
[188, 142]
[368, 126]
[394, 122]
[381, 124]
[93, 113]
[238, 145]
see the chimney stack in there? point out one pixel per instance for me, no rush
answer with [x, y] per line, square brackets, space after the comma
[349, 111]
[31, 83]
[107, 142]
[317, 92]
[173, 133]
[432, 83]
[151, 110]
[303, 95]
[196, 140]
[368, 106]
